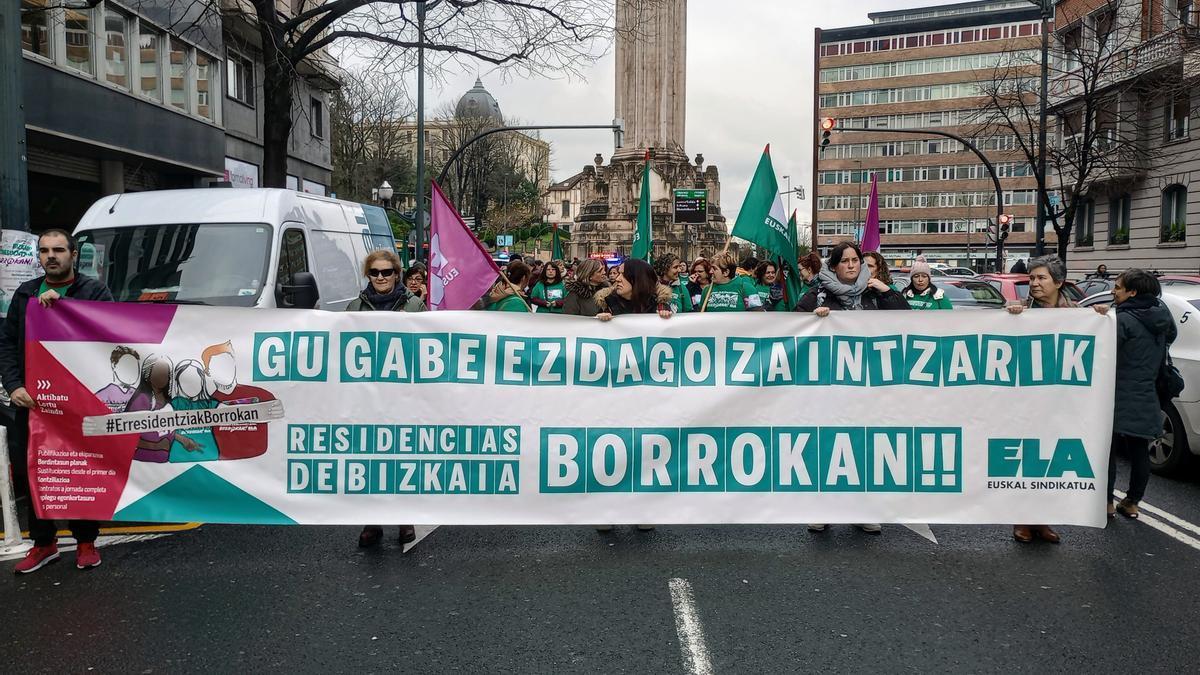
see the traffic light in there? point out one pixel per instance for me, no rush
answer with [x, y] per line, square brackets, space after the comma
[827, 126]
[1005, 225]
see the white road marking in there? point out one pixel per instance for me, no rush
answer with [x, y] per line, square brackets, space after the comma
[422, 532]
[68, 544]
[923, 530]
[687, 625]
[1162, 526]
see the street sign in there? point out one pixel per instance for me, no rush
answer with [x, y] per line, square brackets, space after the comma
[504, 240]
[691, 206]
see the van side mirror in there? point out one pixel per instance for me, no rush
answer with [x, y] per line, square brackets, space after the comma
[301, 293]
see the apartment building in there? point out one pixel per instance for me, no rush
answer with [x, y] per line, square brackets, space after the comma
[1125, 91]
[151, 94]
[917, 69]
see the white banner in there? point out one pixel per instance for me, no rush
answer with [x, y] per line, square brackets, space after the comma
[469, 418]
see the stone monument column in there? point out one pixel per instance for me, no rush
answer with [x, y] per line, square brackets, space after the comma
[651, 76]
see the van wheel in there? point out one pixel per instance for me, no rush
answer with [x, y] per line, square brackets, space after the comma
[1169, 453]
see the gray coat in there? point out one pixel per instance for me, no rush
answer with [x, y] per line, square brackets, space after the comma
[581, 299]
[1145, 329]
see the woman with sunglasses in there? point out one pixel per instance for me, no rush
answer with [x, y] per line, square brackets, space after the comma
[384, 294]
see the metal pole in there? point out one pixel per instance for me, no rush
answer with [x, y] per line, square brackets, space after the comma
[1047, 8]
[616, 127]
[789, 194]
[14, 179]
[420, 224]
[12, 543]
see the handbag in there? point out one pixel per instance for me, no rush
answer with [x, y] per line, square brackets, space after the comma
[1169, 383]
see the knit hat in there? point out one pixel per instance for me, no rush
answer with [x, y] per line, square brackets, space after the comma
[919, 266]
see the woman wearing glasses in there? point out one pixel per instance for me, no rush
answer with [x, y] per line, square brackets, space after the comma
[384, 294]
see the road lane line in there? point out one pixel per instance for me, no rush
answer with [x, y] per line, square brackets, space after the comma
[1170, 531]
[1174, 520]
[687, 625]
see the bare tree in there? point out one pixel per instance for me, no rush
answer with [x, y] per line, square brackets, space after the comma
[1104, 77]
[368, 140]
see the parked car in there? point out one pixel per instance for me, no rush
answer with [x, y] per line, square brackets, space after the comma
[963, 293]
[1092, 286]
[231, 248]
[1179, 280]
[960, 272]
[1016, 286]
[1172, 452]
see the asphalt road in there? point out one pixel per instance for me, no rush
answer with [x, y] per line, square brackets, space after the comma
[566, 599]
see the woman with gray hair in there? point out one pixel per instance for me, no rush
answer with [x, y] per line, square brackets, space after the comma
[590, 276]
[1047, 274]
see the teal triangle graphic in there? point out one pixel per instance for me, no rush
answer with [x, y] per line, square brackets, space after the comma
[199, 495]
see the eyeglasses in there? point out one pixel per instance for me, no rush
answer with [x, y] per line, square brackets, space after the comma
[381, 273]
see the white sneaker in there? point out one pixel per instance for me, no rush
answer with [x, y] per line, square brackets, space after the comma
[870, 528]
[817, 527]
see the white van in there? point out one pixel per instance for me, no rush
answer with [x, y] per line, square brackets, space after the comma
[231, 247]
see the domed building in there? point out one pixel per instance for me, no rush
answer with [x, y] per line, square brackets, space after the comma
[478, 103]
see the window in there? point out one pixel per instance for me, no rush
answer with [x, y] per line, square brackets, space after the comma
[202, 102]
[316, 118]
[1085, 222]
[149, 75]
[239, 74]
[566, 208]
[293, 256]
[1118, 219]
[1178, 117]
[78, 24]
[35, 27]
[1174, 214]
[177, 72]
[1072, 44]
[116, 48]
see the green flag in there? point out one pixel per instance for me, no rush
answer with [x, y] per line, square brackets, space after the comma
[760, 220]
[794, 280]
[555, 245]
[404, 262]
[642, 235]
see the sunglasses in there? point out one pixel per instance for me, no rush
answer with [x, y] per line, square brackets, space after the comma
[381, 273]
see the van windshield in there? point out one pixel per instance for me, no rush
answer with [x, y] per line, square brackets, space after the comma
[209, 264]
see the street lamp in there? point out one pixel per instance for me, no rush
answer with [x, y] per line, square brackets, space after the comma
[385, 193]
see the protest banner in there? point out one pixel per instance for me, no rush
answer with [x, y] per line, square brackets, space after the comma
[292, 416]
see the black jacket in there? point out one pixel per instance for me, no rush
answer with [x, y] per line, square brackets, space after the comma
[1145, 329]
[12, 334]
[871, 299]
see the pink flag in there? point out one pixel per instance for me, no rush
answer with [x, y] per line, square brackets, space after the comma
[460, 268]
[870, 238]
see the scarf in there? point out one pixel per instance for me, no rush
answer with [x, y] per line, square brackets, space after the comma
[383, 302]
[849, 296]
[583, 289]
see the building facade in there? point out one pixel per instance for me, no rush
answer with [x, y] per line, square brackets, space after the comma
[921, 69]
[146, 95]
[1139, 197]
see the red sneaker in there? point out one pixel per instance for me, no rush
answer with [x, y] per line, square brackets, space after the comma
[87, 557]
[37, 558]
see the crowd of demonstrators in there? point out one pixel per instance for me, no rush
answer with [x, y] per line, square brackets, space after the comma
[850, 283]
[383, 293]
[57, 254]
[921, 292]
[549, 288]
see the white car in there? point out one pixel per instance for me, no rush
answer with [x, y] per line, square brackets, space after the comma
[1174, 450]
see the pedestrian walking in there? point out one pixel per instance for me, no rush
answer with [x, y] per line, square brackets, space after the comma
[728, 292]
[668, 268]
[1047, 274]
[590, 277]
[847, 283]
[770, 291]
[57, 254]
[1145, 331]
[384, 294]
[549, 290]
[921, 292]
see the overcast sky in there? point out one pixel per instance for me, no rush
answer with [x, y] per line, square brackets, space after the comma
[749, 83]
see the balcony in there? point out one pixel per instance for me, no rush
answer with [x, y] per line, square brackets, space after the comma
[1178, 47]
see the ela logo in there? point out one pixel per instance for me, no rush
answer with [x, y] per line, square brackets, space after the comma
[1023, 458]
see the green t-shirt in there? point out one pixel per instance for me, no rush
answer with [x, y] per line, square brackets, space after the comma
[207, 452]
[682, 300]
[735, 295]
[927, 300]
[62, 290]
[551, 293]
[510, 303]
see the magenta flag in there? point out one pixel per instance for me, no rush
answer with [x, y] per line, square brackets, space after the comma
[460, 268]
[870, 238]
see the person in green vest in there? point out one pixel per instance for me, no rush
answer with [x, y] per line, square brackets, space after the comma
[810, 267]
[550, 290]
[729, 292]
[668, 268]
[921, 293]
[190, 390]
[768, 286]
[505, 295]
